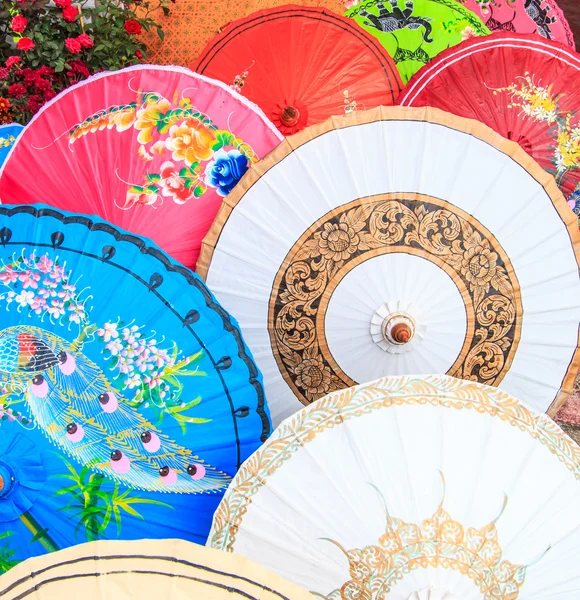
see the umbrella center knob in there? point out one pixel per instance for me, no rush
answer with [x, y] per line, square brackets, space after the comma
[289, 116]
[398, 328]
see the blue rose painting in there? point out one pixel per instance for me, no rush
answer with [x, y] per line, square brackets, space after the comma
[224, 172]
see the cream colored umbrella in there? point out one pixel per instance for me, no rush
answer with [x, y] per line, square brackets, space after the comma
[398, 241]
[160, 570]
[412, 488]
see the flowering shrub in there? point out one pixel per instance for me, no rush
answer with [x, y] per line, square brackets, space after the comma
[44, 49]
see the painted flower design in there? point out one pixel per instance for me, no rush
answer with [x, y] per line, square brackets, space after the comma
[148, 118]
[338, 241]
[190, 142]
[202, 155]
[173, 185]
[534, 100]
[313, 376]
[41, 286]
[143, 367]
[224, 172]
[479, 265]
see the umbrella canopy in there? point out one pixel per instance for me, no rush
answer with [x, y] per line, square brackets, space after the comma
[191, 24]
[8, 134]
[524, 16]
[320, 65]
[412, 488]
[417, 32]
[128, 399]
[383, 243]
[165, 570]
[532, 99]
[150, 149]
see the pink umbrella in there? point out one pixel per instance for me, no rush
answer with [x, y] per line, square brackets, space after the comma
[151, 149]
[543, 17]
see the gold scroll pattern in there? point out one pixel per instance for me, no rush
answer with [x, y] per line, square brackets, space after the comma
[369, 227]
[438, 542]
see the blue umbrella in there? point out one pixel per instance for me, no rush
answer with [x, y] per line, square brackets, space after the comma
[128, 399]
[8, 135]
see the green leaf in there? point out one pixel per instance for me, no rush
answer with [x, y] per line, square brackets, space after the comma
[160, 33]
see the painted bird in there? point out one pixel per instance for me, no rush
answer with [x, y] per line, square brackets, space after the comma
[73, 403]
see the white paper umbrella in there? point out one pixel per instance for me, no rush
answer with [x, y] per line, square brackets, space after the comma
[399, 241]
[412, 488]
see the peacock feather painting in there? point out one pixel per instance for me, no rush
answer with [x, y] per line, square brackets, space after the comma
[128, 399]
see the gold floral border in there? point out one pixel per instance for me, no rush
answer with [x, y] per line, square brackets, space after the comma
[401, 113]
[360, 230]
[332, 410]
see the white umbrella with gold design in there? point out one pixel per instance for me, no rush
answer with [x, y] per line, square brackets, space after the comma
[398, 241]
[144, 569]
[412, 488]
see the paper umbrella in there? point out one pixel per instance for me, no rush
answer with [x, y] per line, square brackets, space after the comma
[320, 65]
[412, 488]
[544, 18]
[128, 399]
[160, 569]
[150, 149]
[533, 98]
[415, 33]
[400, 241]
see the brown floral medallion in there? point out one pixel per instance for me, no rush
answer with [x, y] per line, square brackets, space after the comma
[369, 227]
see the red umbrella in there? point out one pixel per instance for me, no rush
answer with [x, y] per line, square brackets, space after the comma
[301, 65]
[524, 87]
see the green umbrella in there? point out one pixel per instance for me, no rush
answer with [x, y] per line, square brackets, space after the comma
[415, 33]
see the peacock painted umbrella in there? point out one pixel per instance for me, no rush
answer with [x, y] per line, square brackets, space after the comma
[150, 149]
[415, 33]
[412, 488]
[128, 399]
[398, 241]
[542, 17]
[533, 98]
[8, 134]
[321, 65]
[160, 569]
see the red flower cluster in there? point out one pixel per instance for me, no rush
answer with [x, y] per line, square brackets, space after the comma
[11, 61]
[78, 70]
[16, 90]
[132, 27]
[70, 13]
[73, 45]
[36, 84]
[4, 73]
[63, 3]
[86, 41]
[25, 44]
[18, 23]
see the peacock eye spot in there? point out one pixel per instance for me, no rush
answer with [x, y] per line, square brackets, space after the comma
[104, 398]
[72, 428]
[116, 455]
[192, 470]
[38, 380]
[61, 356]
[146, 437]
[164, 471]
